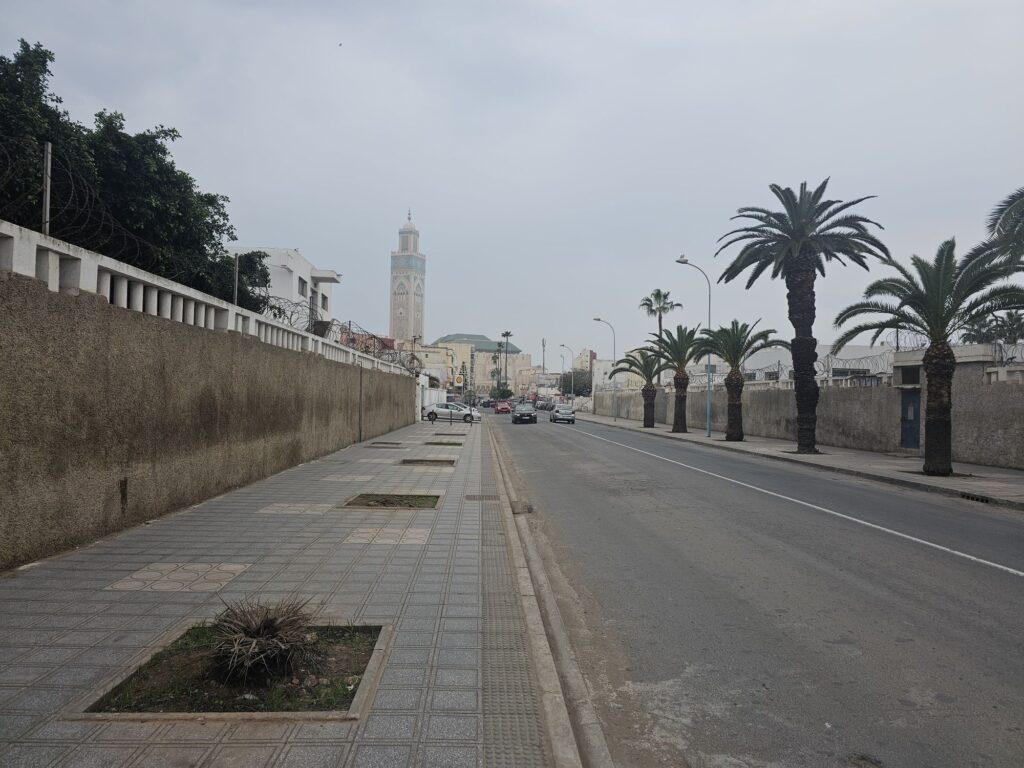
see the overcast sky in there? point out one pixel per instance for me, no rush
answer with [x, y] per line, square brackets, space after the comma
[558, 156]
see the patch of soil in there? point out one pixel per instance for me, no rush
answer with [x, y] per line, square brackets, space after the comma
[394, 500]
[182, 678]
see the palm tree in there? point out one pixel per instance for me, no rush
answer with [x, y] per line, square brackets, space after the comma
[677, 351]
[1006, 224]
[982, 331]
[796, 243]
[734, 344]
[1010, 327]
[506, 335]
[938, 299]
[645, 364]
[658, 304]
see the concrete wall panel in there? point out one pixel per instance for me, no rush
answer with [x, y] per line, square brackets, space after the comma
[109, 418]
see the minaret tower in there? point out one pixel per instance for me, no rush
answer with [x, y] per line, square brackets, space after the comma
[408, 282]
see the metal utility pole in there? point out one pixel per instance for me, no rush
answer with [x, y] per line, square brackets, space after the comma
[686, 262]
[47, 160]
[543, 356]
[235, 300]
[615, 384]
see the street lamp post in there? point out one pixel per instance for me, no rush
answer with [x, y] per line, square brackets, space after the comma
[707, 369]
[572, 374]
[615, 384]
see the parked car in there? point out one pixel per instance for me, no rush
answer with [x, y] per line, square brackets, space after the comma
[563, 413]
[524, 412]
[451, 412]
[486, 403]
[502, 407]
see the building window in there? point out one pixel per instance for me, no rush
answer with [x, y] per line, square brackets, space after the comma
[910, 374]
[323, 302]
[302, 287]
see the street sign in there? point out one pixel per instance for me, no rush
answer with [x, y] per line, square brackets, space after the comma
[459, 380]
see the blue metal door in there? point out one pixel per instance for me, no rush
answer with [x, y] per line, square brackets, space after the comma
[910, 418]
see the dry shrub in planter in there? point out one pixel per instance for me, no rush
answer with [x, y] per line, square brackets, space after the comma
[256, 640]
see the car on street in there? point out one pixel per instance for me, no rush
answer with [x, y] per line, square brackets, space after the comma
[451, 412]
[563, 413]
[502, 408]
[524, 412]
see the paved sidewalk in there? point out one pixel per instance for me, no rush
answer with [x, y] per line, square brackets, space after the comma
[457, 687]
[995, 484]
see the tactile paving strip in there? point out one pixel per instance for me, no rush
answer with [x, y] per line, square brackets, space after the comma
[180, 577]
[512, 732]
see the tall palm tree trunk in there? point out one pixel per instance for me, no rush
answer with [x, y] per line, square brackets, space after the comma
[800, 296]
[939, 364]
[681, 381]
[649, 392]
[734, 389]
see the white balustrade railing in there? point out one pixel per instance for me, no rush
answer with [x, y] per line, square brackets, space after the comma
[70, 269]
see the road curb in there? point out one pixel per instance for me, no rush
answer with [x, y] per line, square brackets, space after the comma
[550, 638]
[911, 484]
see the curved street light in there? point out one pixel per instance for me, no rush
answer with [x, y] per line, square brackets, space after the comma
[615, 384]
[707, 370]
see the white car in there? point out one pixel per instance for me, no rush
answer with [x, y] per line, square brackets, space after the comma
[563, 413]
[451, 412]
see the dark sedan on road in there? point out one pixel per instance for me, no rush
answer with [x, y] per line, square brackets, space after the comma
[524, 412]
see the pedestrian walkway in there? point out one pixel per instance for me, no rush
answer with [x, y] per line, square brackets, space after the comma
[981, 483]
[456, 688]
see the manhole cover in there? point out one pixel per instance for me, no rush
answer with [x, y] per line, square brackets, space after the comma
[430, 462]
[441, 442]
[484, 497]
[393, 501]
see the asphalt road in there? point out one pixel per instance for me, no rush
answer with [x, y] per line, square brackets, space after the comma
[735, 611]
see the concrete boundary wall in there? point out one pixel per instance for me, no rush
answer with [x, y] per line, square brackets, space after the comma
[109, 418]
[988, 419]
[66, 268]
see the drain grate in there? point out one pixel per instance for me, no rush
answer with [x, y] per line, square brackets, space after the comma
[451, 434]
[392, 446]
[385, 442]
[483, 497]
[430, 462]
[441, 442]
[393, 501]
[975, 497]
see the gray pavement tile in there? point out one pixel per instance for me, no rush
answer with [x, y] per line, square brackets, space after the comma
[101, 656]
[403, 676]
[414, 639]
[460, 625]
[128, 731]
[81, 637]
[62, 730]
[389, 727]
[73, 676]
[410, 656]
[50, 655]
[260, 731]
[455, 700]
[453, 727]
[41, 699]
[459, 657]
[177, 756]
[132, 638]
[450, 757]
[91, 756]
[456, 678]
[381, 757]
[460, 639]
[193, 731]
[23, 674]
[241, 756]
[397, 698]
[13, 726]
[301, 756]
[32, 755]
[327, 731]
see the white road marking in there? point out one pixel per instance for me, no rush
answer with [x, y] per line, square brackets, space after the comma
[827, 511]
